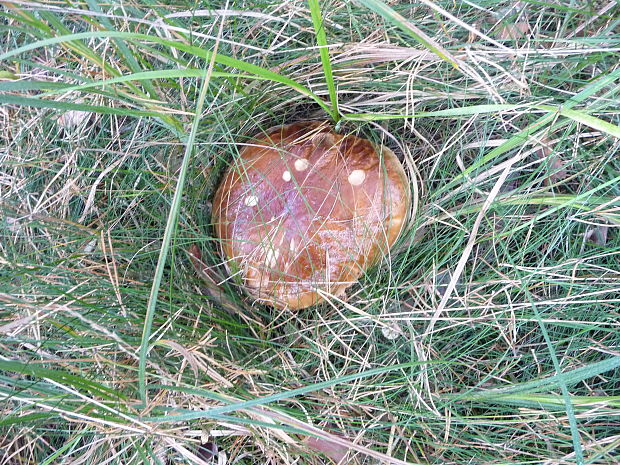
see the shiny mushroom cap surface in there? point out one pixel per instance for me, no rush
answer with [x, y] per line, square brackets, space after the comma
[304, 211]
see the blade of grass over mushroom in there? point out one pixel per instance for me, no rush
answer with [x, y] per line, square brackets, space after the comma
[389, 14]
[321, 39]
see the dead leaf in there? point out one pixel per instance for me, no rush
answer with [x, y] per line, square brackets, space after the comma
[12, 224]
[440, 283]
[187, 355]
[391, 331]
[513, 31]
[210, 280]
[597, 235]
[73, 119]
[334, 451]
[207, 451]
[555, 165]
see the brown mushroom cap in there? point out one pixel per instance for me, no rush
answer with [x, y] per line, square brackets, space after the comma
[304, 209]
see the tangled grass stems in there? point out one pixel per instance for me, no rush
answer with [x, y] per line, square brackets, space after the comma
[98, 103]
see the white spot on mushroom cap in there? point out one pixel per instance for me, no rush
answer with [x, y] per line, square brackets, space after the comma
[251, 201]
[286, 176]
[357, 177]
[396, 221]
[301, 164]
[271, 258]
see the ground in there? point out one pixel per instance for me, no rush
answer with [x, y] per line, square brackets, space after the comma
[490, 334]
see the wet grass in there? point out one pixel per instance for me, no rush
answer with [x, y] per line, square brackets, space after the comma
[490, 335]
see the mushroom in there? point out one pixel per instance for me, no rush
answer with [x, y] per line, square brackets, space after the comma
[303, 212]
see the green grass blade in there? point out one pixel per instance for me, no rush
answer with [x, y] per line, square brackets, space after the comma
[549, 383]
[562, 381]
[59, 452]
[26, 419]
[197, 51]
[171, 225]
[321, 39]
[128, 56]
[142, 76]
[531, 400]
[392, 16]
[291, 393]
[449, 113]
[577, 116]
[523, 135]
[77, 382]
[39, 103]
[591, 121]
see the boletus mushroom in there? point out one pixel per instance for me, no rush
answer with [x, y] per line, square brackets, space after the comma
[304, 211]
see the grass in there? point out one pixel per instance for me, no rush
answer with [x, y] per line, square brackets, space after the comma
[490, 335]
